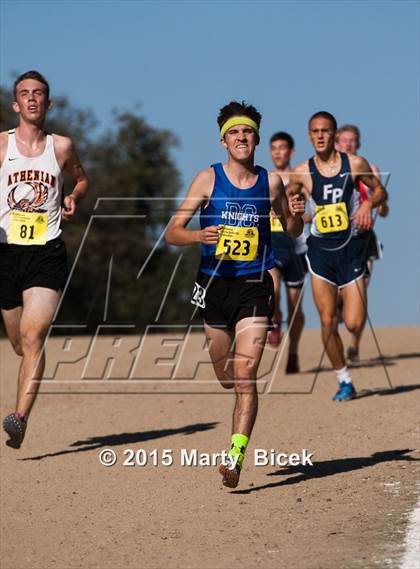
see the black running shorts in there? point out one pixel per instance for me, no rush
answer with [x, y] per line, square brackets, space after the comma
[224, 301]
[374, 246]
[28, 266]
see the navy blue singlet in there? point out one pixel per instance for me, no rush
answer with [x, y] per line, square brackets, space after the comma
[338, 189]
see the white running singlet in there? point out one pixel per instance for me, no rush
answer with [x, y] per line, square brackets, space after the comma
[30, 195]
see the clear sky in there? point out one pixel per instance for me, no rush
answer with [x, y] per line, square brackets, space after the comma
[183, 60]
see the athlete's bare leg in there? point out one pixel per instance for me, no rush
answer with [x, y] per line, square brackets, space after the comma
[355, 309]
[368, 275]
[355, 337]
[39, 306]
[276, 276]
[296, 321]
[294, 303]
[220, 349]
[325, 297]
[11, 319]
[274, 336]
[250, 337]
[249, 345]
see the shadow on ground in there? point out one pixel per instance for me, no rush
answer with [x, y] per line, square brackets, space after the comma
[373, 362]
[330, 468]
[382, 391]
[94, 443]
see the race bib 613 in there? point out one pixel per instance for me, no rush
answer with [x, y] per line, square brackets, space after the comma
[330, 218]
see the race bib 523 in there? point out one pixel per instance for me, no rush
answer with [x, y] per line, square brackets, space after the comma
[237, 243]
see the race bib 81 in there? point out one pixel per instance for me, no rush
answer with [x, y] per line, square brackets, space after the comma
[28, 228]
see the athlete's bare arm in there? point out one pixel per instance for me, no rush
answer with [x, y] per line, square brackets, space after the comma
[3, 145]
[362, 171]
[290, 210]
[69, 161]
[383, 209]
[375, 170]
[199, 192]
[300, 181]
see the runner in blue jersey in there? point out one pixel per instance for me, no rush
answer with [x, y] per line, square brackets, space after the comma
[289, 258]
[234, 290]
[336, 247]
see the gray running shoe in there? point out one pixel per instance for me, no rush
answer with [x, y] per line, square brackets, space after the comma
[230, 473]
[16, 429]
[352, 354]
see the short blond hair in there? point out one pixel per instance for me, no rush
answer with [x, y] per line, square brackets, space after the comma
[348, 128]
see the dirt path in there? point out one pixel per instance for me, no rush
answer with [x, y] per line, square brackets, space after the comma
[60, 508]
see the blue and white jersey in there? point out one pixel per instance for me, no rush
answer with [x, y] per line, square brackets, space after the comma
[244, 245]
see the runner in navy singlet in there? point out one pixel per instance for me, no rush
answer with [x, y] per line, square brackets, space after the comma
[336, 246]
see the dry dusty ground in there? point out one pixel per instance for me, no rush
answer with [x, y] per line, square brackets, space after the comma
[61, 509]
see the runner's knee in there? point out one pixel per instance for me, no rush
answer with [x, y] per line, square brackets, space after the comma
[17, 347]
[225, 379]
[354, 326]
[245, 381]
[31, 340]
[329, 322]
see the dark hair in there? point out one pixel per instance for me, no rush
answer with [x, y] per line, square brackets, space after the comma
[236, 109]
[31, 75]
[323, 115]
[283, 136]
[348, 128]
